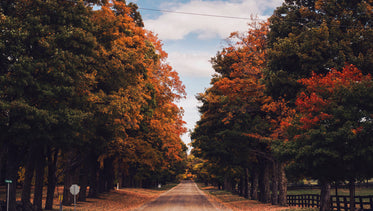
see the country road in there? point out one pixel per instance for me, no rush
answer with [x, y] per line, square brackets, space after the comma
[184, 197]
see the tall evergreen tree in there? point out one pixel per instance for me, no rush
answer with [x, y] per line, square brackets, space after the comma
[317, 35]
[45, 59]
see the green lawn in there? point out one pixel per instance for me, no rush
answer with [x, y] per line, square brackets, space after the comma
[359, 191]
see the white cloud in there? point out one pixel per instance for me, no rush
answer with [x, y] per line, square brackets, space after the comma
[191, 114]
[175, 26]
[191, 64]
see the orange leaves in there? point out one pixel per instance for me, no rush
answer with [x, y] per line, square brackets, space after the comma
[136, 90]
[327, 84]
[314, 104]
[242, 85]
[280, 117]
[166, 122]
[357, 130]
[311, 103]
[249, 51]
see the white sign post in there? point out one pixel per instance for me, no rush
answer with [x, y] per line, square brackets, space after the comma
[8, 193]
[74, 189]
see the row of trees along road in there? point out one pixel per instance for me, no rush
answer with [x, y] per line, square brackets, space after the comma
[292, 96]
[86, 95]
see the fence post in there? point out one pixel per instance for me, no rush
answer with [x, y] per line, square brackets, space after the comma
[345, 202]
[337, 201]
[361, 202]
[318, 201]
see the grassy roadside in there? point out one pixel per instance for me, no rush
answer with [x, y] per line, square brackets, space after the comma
[341, 191]
[235, 202]
[123, 199]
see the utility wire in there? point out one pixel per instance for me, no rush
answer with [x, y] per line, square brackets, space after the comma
[230, 17]
[199, 14]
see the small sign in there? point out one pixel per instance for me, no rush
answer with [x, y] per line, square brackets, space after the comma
[74, 189]
[8, 181]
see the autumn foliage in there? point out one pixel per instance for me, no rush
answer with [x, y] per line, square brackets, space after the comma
[295, 92]
[239, 120]
[314, 104]
[85, 92]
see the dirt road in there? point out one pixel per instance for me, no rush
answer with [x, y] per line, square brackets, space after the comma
[184, 197]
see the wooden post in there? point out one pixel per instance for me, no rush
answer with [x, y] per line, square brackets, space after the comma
[361, 202]
[336, 196]
[345, 202]
[352, 194]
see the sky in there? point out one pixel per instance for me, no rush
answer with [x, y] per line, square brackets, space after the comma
[192, 40]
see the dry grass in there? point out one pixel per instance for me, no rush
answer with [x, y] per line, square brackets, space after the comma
[235, 202]
[124, 199]
[132, 198]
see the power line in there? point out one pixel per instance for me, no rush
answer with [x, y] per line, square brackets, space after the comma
[231, 17]
[200, 14]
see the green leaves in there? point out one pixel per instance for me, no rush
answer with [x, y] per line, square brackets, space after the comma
[336, 143]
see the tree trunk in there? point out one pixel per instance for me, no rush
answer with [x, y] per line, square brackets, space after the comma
[84, 171]
[52, 179]
[120, 179]
[2, 160]
[264, 185]
[246, 184]
[241, 186]
[282, 185]
[352, 194]
[93, 168]
[101, 181]
[325, 196]
[70, 175]
[12, 165]
[109, 175]
[39, 178]
[255, 184]
[227, 183]
[29, 174]
[275, 178]
[67, 197]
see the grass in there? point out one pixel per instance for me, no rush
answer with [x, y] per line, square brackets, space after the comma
[341, 192]
[235, 202]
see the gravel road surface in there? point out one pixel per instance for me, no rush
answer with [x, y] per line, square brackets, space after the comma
[184, 197]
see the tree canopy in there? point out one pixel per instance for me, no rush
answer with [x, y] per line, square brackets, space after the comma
[90, 89]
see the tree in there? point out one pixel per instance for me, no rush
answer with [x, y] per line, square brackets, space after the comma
[316, 35]
[138, 112]
[90, 88]
[334, 126]
[232, 130]
[43, 80]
